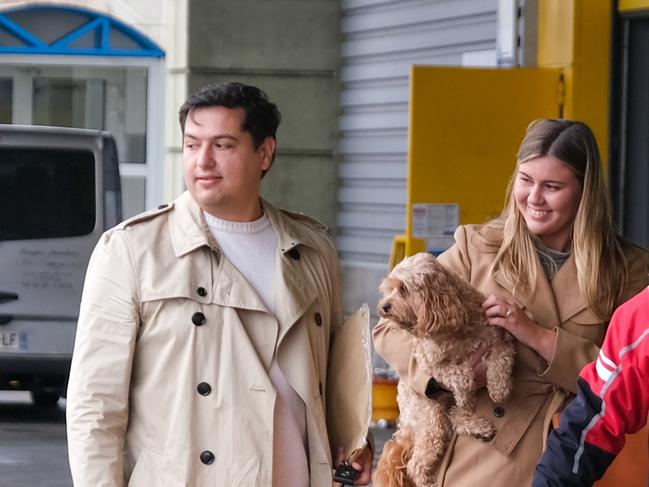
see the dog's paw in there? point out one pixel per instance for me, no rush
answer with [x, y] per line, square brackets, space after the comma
[464, 397]
[483, 430]
[485, 435]
[500, 392]
[421, 473]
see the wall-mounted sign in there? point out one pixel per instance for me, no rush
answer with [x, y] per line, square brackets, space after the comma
[435, 223]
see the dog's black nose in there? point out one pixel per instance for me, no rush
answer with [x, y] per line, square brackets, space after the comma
[386, 307]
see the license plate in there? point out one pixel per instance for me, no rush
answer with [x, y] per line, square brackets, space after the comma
[13, 340]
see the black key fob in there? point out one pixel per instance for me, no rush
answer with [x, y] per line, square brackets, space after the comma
[345, 474]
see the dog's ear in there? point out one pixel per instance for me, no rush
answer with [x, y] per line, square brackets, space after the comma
[442, 309]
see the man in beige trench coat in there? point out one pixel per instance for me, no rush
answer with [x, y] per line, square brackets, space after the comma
[203, 341]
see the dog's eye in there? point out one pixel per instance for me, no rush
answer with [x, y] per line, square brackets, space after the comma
[402, 288]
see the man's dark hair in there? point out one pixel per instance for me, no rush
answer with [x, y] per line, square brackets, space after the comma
[261, 117]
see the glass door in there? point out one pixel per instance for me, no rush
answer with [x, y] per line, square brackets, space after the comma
[113, 99]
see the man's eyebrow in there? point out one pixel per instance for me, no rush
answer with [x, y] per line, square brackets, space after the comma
[213, 137]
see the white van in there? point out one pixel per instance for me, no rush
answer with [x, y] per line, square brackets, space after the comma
[59, 190]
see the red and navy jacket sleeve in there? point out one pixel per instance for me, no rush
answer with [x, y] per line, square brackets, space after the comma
[612, 401]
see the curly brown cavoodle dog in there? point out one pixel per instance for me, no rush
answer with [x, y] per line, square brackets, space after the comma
[444, 314]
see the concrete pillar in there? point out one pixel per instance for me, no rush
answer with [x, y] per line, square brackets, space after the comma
[288, 48]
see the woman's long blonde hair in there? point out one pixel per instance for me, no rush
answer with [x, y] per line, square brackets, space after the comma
[602, 268]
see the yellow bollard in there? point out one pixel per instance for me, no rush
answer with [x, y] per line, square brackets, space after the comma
[384, 400]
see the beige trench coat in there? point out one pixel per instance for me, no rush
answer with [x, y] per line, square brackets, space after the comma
[162, 312]
[540, 389]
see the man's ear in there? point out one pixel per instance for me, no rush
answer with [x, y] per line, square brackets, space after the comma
[267, 151]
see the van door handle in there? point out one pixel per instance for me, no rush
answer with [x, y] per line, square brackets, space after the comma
[5, 296]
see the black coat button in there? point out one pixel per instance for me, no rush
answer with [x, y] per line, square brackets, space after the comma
[207, 457]
[204, 388]
[198, 318]
[160, 207]
[318, 319]
[201, 291]
[294, 254]
[499, 411]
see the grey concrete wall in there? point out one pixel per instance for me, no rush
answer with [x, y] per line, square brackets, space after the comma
[289, 48]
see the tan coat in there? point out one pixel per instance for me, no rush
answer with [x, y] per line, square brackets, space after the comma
[540, 389]
[162, 312]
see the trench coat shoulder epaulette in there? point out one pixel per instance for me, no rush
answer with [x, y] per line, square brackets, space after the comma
[308, 220]
[145, 216]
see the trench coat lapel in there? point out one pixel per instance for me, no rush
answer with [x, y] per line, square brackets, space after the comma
[189, 232]
[187, 227]
[233, 289]
[565, 286]
[291, 292]
[292, 296]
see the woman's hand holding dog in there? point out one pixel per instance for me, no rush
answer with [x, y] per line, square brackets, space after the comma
[501, 312]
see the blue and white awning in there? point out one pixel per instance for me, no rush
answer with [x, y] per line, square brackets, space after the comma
[48, 29]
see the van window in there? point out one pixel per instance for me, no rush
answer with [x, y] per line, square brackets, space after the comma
[46, 193]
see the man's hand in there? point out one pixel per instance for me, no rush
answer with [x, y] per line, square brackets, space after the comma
[361, 462]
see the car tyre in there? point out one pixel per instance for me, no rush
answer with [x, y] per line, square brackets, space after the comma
[45, 398]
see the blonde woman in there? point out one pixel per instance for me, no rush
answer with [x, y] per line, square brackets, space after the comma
[553, 270]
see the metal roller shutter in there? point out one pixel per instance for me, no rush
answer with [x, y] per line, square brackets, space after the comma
[380, 41]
